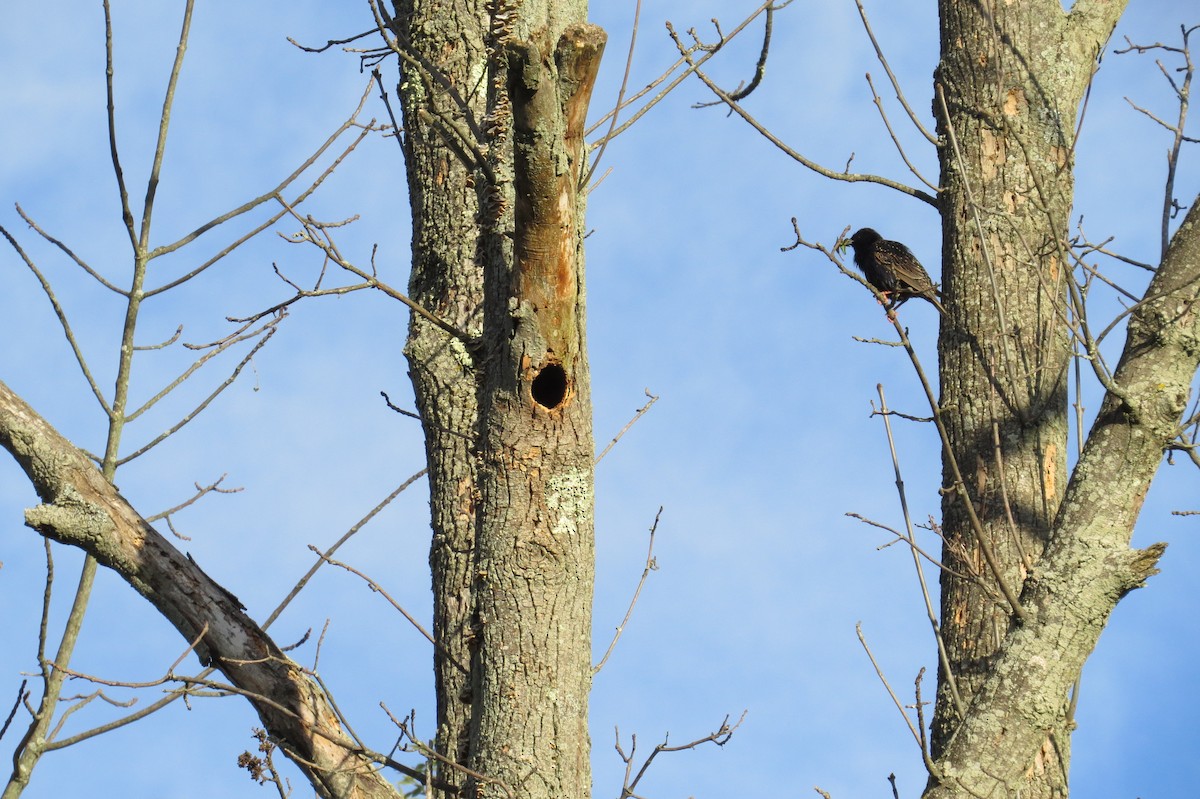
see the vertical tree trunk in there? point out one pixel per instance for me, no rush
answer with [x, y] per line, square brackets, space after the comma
[494, 108]
[447, 279]
[1013, 76]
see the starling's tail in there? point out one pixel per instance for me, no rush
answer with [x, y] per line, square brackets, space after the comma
[935, 301]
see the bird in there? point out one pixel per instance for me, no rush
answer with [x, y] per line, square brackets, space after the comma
[892, 269]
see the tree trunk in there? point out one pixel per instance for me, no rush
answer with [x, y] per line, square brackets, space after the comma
[494, 106]
[447, 279]
[1012, 76]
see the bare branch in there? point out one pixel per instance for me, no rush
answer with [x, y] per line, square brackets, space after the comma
[70, 253]
[126, 213]
[847, 177]
[640, 413]
[930, 611]
[651, 565]
[161, 147]
[883, 679]
[62, 320]
[200, 492]
[720, 737]
[266, 333]
[377, 588]
[862, 12]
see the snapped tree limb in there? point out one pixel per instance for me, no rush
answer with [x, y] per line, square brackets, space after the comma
[80, 508]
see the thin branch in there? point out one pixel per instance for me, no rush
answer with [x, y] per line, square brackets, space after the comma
[760, 69]
[323, 557]
[21, 694]
[200, 492]
[126, 213]
[862, 12]
[164, 123]
[848, 177]
[237, 337]
[651, 565]
[637, 16]
[332, 42]
[62, 320]
[640, 413]
[879, 671]
[273, 194]
[887, 123]
[162, 345]
[720, 737]
[69, 253]
[379, 589]
[930, 612]
[317, 234]
[662, 78]
[431, 754]
[269, 332]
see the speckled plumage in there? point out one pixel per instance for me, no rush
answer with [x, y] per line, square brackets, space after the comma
[892, 269]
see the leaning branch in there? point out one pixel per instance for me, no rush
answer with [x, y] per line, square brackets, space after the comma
[82, 509]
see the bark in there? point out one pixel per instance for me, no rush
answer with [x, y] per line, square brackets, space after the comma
[1012, 76]
[82, 509]
[1014, 729]
[447, 279]
[535, 545]
[494, 103]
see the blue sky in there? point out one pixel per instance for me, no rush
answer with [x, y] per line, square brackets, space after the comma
[759, 445]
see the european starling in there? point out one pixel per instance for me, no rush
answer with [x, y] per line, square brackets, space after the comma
[892, 269]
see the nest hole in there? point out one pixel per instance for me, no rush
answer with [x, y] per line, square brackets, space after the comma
[549, 388]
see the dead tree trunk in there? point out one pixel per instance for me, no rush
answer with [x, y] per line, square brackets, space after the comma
[494, 106]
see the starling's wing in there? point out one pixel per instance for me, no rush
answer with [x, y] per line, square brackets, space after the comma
[875, 272]
[910, 277]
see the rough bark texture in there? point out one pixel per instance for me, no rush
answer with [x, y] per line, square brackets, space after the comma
[1013, 76]
[447, 279]
[83, 509]
[494, 103]
[1010, 741]
[535, 545]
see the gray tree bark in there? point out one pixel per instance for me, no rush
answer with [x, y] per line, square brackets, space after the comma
[1013, 77]
[494, 105]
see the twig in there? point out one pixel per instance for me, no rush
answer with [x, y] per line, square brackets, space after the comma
[160, 148]
[879, 671]
[62, 321]
[109, 72]
[432, 754]
[637, 16]
[16, 706]
[328, 553]
[651, 565]
[268, 332]
[930, 612]
[69, 253]
[760, 68]
[200, 492]
[862, 12]
[793, 154]
[720, 737]
[274, 194]
[887, 123]
[661, 95]
[640, 413]
[379, 589]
